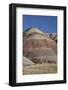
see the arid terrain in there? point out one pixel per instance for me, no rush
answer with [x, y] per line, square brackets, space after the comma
[40, 52]
[40, 69]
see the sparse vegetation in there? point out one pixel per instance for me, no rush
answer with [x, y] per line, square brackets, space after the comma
[40, 69]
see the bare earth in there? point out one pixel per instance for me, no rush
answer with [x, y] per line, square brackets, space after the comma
[40, 69]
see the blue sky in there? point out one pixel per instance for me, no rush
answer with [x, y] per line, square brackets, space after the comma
[44, 23]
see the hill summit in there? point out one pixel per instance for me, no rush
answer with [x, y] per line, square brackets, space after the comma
[33, 30]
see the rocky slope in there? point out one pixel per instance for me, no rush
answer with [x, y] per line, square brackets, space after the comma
[27, 62]
[39, 47]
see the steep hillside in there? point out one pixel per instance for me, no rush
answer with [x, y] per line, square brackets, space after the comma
[38, 46]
